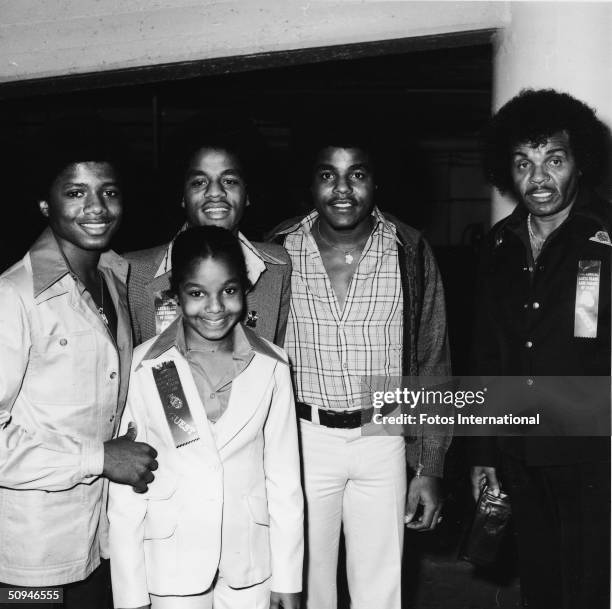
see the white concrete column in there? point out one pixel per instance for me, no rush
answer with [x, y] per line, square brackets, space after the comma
[561, 45]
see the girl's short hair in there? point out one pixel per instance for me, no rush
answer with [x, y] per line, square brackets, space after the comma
[201, 243]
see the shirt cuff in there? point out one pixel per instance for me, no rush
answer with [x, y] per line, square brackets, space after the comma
[92, 460]
[428, 461]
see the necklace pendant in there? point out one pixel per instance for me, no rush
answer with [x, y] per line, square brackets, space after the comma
[103, 315]
[348, 258]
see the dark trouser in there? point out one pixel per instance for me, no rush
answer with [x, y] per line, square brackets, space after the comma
[562, 520]
[91, 593]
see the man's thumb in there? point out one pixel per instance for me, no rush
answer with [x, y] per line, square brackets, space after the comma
[131, 432]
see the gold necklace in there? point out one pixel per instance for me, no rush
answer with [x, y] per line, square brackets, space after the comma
[348, 258]
[536, 242]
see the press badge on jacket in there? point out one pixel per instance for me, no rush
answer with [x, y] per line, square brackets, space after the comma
[175, 404]
[166, 310]
[587, 298]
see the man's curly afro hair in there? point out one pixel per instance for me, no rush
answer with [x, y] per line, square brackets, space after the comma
[533, 116]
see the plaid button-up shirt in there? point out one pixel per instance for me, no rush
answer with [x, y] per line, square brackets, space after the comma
[333, 349]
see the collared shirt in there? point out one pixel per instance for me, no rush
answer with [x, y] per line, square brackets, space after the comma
[215, 396]
[333, 349]
[255, 265]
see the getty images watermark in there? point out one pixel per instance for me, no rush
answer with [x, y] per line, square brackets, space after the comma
[431, 397]
[488, 406]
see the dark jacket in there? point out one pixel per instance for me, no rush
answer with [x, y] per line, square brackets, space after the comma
[525, 316]
[268, 299]
[425, 339]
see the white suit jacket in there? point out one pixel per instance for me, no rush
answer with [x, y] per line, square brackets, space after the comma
[239, 483]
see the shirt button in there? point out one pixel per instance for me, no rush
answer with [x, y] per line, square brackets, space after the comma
[212, 396]
[528, 344]
[113, 375]
[536, 305]
[530, 382]
[112, 418]
[345, 366]
[63, 342]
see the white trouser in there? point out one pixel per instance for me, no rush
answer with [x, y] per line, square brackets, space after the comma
[360, 482]
[220, 596]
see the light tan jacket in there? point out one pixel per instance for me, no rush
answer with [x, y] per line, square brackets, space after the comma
[238, 486]
[63, 384]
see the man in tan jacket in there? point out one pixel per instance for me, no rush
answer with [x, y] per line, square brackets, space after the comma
[65, 348]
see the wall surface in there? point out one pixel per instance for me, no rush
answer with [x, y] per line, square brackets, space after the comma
[562, 45]
[42, 38]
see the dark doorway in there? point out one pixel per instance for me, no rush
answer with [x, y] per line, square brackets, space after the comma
[428, 106]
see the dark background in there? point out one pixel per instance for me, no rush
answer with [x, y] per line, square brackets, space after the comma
[426, 108]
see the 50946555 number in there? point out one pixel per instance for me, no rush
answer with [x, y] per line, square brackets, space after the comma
[31, 595]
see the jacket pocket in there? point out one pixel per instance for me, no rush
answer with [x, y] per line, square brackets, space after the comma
[258, 508]
[41, 530]
[259, 535]
[161, 519]
[62, 369]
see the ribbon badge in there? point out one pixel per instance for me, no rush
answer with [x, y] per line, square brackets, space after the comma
[587, 298]
[175, 404]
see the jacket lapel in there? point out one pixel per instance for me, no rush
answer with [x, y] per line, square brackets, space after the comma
[158, 284]
[262, 305]
[248, 391]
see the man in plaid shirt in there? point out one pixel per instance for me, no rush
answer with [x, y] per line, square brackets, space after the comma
[366, 301]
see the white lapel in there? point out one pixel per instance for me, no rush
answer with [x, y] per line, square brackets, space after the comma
[248, 391]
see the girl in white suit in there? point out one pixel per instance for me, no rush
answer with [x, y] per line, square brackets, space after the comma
[222, 523]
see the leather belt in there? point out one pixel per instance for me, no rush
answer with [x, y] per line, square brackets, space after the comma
[345, 419]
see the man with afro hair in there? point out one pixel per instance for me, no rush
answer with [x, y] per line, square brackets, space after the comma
[542, 311]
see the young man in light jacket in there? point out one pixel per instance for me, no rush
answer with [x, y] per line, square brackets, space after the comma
[65, 347]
